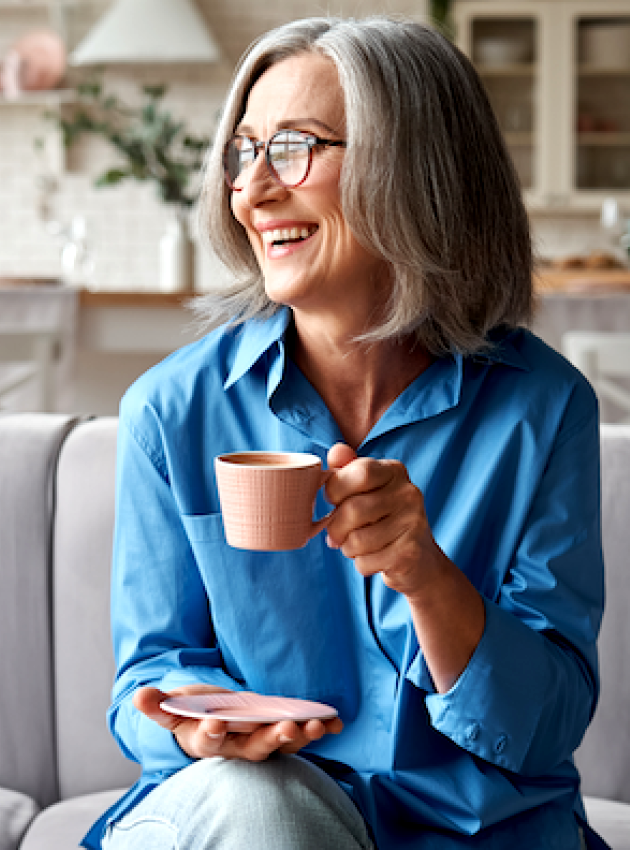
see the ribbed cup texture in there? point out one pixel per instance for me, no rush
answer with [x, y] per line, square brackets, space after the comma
[268, 507]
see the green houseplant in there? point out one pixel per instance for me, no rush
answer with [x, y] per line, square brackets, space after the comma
[440, 12]
[150, 146]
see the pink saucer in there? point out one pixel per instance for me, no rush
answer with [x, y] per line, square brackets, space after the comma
[245, 706]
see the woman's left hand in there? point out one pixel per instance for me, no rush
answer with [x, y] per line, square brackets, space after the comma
[380, 522]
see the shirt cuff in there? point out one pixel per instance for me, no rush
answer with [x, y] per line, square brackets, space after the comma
[494, 708]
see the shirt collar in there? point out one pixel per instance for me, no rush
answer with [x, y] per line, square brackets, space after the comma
[504, 350]
[256, 337]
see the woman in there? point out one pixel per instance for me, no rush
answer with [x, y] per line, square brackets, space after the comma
[361, 193]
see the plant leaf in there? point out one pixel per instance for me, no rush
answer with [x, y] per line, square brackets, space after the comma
[112, 177]
[155, 91]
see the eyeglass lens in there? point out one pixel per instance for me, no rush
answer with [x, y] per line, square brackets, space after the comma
[287, 156]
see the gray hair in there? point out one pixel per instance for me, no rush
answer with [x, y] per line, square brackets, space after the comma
[427, 183]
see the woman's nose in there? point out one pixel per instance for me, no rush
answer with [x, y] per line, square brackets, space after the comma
[259, 183]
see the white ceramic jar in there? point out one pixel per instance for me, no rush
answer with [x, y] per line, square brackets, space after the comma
[177, 257]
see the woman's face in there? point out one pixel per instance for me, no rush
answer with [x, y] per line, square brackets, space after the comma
[328, 272]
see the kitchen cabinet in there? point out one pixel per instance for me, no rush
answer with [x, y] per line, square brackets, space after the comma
[557, 73]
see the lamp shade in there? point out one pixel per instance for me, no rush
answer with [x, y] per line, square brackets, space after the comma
[148, 31]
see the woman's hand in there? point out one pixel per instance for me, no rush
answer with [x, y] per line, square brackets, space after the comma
[379, 521]
[210, 737]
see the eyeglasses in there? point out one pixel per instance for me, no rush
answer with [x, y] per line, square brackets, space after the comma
[288, 154]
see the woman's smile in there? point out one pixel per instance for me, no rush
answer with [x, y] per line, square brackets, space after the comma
[281, 239]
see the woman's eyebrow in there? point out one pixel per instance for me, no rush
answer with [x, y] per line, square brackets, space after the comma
[289, 124]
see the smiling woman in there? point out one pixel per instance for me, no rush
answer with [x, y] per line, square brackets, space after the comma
[360, 191]
[446, 290]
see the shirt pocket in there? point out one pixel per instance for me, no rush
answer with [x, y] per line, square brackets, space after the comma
[277, 617]
[204, 528]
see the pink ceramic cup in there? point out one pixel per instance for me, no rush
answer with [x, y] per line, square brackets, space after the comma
[267, 498]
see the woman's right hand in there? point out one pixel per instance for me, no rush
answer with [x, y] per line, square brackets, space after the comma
[210, 737]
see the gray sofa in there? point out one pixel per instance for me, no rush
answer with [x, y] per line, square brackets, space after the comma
[59, 768]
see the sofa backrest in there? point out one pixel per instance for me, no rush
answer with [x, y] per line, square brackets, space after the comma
[29, 448]
[88, 758]
[604, 756]
[72, 567]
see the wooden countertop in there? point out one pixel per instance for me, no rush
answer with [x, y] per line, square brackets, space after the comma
[582, 281]
[546, 281]
[103, 298]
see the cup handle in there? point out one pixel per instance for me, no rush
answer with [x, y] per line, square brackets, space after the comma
[321, 524]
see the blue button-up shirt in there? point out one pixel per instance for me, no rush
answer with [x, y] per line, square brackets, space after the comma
[505, 449]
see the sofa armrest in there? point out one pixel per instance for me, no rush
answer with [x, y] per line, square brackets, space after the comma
[83, 654]
[16, 813]
[611, 820]
[29, 448]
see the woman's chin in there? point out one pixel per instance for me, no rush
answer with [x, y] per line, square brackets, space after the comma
[287, 293]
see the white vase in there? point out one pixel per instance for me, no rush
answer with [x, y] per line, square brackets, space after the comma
[177, 257]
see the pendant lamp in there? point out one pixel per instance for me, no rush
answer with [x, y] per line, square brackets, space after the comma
[136, 31]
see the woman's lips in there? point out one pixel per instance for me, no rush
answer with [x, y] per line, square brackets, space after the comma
[282, 241]
[288, 234]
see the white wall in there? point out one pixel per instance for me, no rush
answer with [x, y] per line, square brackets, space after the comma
[125, 222]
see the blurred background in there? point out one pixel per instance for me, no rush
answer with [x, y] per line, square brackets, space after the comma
[106, 109]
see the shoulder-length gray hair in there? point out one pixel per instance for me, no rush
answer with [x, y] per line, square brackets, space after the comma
[427, 183]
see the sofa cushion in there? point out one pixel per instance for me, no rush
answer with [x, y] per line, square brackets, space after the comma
[611, 820]
[29, 447]
[604, 757]
[16, 812]
[63, 825]
[88, 758]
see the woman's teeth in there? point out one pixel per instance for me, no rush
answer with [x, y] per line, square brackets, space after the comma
[287, 234]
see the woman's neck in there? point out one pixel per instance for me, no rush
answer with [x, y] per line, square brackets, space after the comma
[358, 382]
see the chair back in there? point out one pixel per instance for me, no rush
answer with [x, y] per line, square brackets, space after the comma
[604, 358]
[27, 357]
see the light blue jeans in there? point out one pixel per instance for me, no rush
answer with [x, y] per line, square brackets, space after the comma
[284, 803]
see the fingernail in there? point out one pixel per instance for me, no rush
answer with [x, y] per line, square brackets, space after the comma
[215, 735]
[284, 739]
[330, 543]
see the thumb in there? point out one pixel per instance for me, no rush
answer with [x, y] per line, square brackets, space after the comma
[340, 455]
[147, 700]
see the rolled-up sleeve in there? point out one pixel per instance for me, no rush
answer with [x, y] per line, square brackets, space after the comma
[530, 689]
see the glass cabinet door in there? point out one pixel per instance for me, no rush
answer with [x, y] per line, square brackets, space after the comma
[558, 76]
[504, 42]
[602, 103]
[504, 52]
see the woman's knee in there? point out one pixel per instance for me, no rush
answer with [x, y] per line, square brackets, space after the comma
[288, 800]
[283, 803]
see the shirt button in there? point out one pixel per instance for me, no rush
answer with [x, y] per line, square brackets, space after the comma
[472, 733]
[500, 743]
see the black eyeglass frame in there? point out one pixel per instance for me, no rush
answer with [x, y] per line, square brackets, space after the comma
[311, 140]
